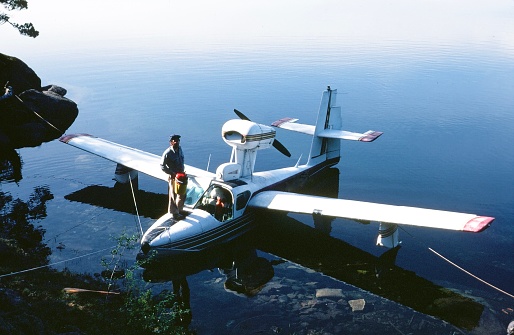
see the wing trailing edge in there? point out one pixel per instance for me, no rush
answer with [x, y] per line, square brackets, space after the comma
[367, 211]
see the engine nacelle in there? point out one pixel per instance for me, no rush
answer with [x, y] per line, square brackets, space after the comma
[247, 135]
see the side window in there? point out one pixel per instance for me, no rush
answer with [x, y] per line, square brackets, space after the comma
[242, 200]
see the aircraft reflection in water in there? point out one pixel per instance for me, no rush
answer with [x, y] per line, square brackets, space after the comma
[314, 248]
[245, 272]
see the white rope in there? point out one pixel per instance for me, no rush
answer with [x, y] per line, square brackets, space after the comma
[469, 273]
[78, 257]
[52, 264]
[70, 229]
[135, 205]
[458, 267]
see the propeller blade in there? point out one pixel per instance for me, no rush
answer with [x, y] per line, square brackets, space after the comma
[280, 147]
[241, 115]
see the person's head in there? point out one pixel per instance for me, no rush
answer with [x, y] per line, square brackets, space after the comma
[175, 140]
[217, 193]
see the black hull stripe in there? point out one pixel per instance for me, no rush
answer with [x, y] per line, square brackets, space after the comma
[216, 235]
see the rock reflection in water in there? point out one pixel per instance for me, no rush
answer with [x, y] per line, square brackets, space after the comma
[21, 243]
[10, 166]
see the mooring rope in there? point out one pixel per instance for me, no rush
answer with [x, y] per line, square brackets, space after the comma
[38, 116]
[52, 264]
[70, 229]
[470, 274]
[459, 267]
[135, 205]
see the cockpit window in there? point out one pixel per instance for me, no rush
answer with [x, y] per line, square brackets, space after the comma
[193, 194]
[218, 202]
[242, 200]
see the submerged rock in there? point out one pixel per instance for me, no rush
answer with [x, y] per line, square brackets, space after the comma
[329, 292]
[357, 305]
[31, 114]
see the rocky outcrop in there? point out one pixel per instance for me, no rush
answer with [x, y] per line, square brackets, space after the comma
[31, 114]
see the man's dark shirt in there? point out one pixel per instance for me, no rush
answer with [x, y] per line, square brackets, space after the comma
[172, 161]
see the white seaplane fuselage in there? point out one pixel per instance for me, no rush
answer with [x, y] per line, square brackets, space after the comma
[220, 206]
[201, 229]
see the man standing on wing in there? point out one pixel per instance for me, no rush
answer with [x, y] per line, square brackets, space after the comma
[172, 162]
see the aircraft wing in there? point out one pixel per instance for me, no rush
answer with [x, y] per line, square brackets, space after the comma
[367, 211]
[291, 124]
[136, 159]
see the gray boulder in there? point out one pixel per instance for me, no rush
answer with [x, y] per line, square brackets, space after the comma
[32, 114]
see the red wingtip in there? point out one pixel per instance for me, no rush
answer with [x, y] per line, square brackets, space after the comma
[67, 138]
[370, 136]
[278, 123]
[478, 224]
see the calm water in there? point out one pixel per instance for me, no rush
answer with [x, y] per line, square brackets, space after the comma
[444, 102]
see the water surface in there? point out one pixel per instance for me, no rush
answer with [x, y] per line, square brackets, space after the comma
[439, 88]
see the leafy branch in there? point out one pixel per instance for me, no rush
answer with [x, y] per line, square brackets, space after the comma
[26, 29]
[146, 313]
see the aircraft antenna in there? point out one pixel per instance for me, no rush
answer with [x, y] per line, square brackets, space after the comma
[298, 163]
[208, 162]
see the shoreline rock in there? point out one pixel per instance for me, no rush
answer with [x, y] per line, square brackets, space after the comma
[32, 114]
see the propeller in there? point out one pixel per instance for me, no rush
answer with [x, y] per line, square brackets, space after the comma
[279, 146]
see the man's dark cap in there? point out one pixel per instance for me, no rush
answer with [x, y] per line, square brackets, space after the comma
[175, 137]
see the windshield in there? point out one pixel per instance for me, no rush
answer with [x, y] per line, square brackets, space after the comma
[193, 193]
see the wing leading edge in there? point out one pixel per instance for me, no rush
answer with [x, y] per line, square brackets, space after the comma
[367, 211]
[136, 159]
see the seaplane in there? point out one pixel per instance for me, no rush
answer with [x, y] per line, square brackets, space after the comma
[221, 206]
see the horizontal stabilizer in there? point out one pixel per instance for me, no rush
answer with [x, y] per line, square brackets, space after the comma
[136, 159]
[291, 124]
[367, 211]
[368, 136]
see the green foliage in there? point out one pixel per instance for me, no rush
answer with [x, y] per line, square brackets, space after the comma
[152, 315]
[36, 303]
[144, 312]
[26, 29]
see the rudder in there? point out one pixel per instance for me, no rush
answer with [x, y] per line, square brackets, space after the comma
[329, 117]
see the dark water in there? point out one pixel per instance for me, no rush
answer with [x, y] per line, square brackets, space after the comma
[444, 102]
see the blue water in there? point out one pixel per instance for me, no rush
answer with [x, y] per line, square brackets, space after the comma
[444, 104]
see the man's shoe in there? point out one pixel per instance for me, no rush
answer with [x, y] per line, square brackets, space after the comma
[178, 216]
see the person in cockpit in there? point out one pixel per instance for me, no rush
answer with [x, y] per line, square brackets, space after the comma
[217, 202]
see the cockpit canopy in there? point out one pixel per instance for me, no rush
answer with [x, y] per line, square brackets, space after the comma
[218, 201]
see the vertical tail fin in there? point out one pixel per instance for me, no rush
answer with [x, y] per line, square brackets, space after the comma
[329, 117]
